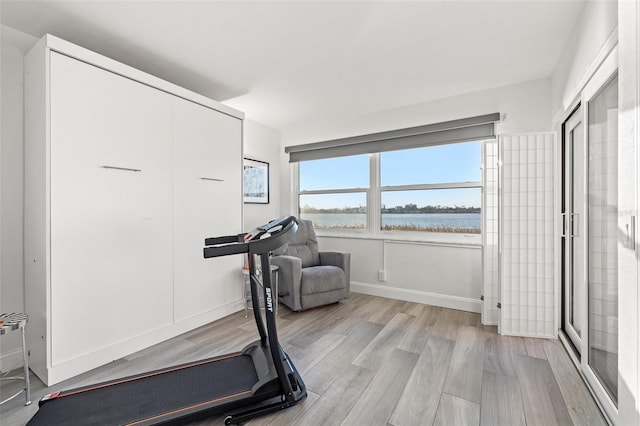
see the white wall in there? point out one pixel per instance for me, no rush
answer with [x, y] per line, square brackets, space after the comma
[526, 106]
[596, 24]
[434, 274]
[13, 46]
[263, 143]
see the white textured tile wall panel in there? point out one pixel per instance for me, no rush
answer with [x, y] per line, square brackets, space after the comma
[527, 252]
[490, 234]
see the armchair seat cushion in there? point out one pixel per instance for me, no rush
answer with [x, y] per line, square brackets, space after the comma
[320, 279]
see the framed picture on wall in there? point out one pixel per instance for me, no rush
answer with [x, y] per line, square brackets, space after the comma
[255, 180]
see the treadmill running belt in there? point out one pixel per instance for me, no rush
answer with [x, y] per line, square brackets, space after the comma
[153, 395]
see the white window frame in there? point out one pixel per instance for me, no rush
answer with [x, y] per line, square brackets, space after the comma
[374, 204]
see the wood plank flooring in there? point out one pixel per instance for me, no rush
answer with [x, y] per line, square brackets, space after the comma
[376, 361]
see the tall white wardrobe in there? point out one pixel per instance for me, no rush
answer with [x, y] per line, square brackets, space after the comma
[125, 176]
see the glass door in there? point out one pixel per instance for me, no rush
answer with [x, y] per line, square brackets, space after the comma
[573, 241]
[596, 229]
[603, 236]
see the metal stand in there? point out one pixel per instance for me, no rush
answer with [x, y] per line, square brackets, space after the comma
[11, 322]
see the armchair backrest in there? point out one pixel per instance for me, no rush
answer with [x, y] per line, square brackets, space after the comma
[303, 245]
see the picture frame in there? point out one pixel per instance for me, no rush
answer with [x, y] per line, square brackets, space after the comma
[255, 181]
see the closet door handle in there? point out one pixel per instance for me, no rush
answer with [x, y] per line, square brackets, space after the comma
[126, 169]
[213, 179]
[563, 233]
[630, 238]
[575, 220]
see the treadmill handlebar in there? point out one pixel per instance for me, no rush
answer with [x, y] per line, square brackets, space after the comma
[213, 241]
[263, 239]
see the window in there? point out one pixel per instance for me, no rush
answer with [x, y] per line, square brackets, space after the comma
[432, 189]
[333, 192]
[413, 181]
[436, 189]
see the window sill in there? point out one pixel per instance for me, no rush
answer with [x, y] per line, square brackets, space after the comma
[436, 238]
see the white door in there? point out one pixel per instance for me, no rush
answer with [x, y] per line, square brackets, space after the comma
[208, 202]
[599, 243]
[573, 234]
[603, 236]
[111, 248]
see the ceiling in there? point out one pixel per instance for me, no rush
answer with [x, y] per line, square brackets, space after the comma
[290, 63]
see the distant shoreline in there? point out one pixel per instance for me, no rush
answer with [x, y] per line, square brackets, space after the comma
[445, 229]
[391, 212]
[449, 222]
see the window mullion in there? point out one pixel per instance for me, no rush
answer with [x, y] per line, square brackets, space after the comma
[374, 197]
[294, 204]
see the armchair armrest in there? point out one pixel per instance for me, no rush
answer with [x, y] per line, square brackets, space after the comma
[337, 258]
[289, 277]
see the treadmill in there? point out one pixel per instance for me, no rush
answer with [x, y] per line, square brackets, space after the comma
[258, 380]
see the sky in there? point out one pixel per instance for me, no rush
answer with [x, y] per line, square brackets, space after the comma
[440, 164]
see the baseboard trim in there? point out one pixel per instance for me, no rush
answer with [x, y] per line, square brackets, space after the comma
[442, 300]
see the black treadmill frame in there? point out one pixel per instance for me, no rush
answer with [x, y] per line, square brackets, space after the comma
[279, 384]
[262, 247]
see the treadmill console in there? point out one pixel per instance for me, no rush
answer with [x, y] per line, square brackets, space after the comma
[269, 229]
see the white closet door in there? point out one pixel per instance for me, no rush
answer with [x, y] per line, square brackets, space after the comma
[207, 193]
[111, 273]
[490, 234]
[527, 235]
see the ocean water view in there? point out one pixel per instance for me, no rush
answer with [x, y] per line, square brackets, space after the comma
[432, 222]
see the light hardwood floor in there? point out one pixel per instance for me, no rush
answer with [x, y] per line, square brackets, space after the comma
[376, 361]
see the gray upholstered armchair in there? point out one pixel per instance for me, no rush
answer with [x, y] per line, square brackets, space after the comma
[308, 277]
